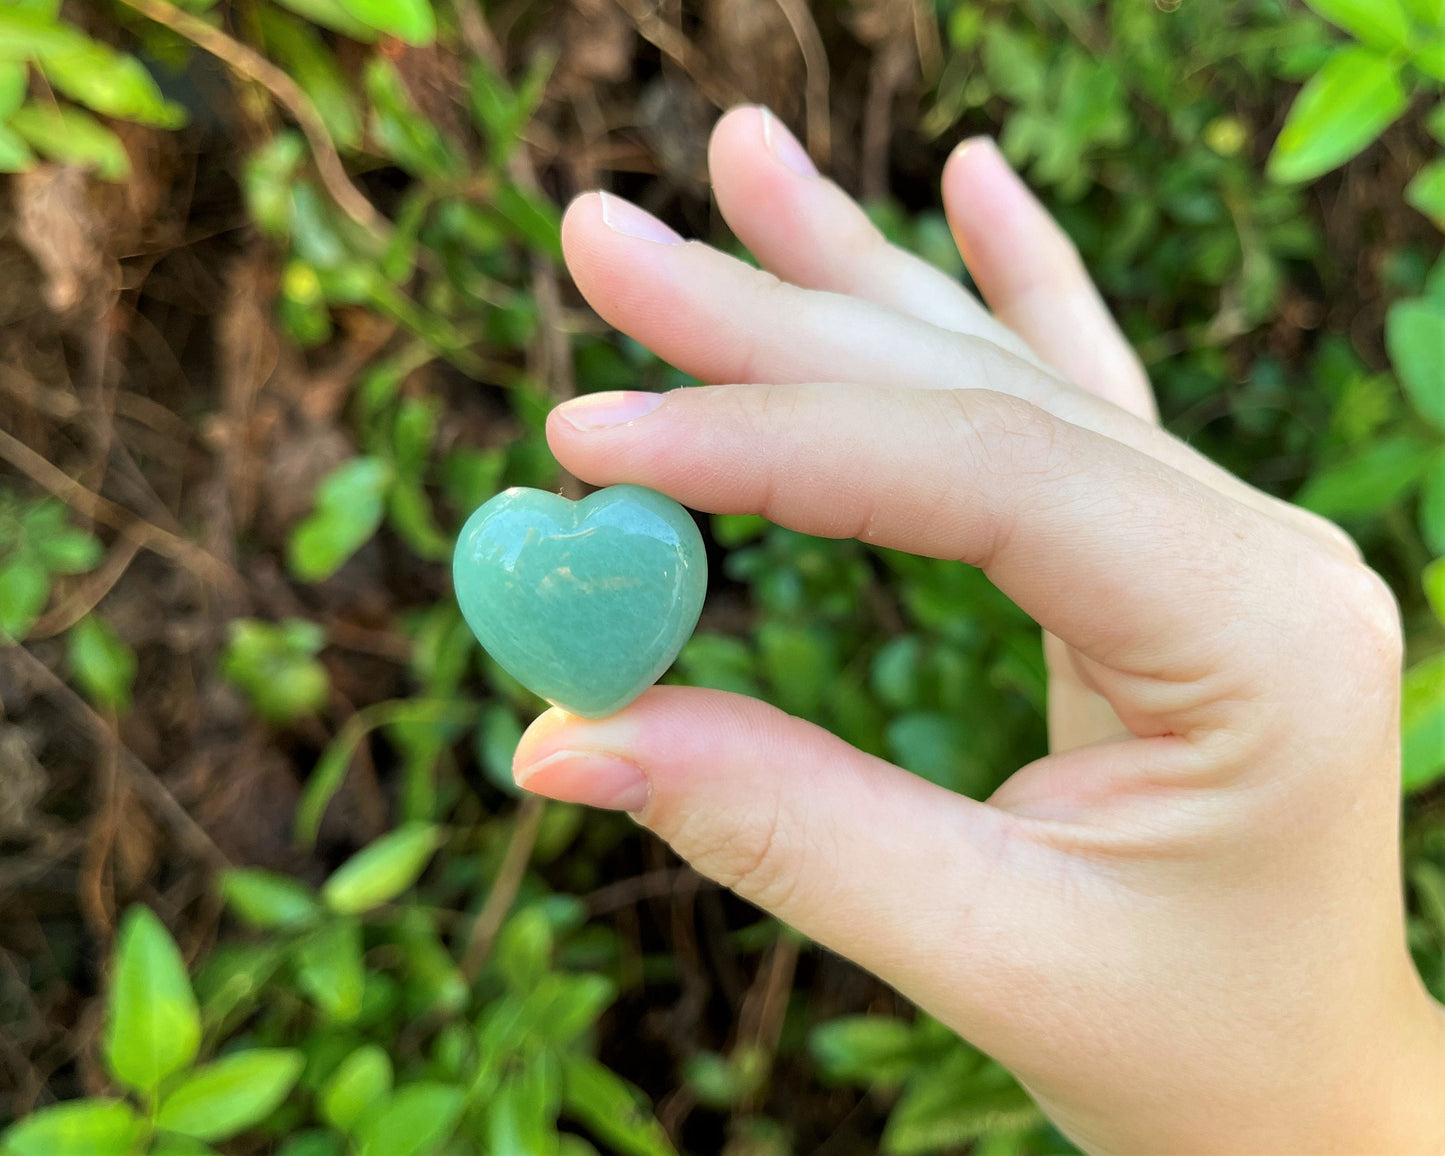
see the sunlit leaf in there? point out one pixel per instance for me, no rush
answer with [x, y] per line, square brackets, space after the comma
[226, 1097]
[382, 871]
[1415, 336]
[110, 83]
[1374, 479]
[266, 900]
[329, 969]
[73, 137]
[1422, 724]
[77, 1128]
[1427, 192]
[417, 1120]
[103, 664]
[1381, 24]
[1342, 109]
[610, 1108]
[412, 21]
[350, 503]
[360, 1085]
[154, 1026]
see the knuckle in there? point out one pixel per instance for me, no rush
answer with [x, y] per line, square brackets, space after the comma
[1365, 613]
[752, 860]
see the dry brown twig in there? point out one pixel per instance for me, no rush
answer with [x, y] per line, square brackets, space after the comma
[504, 888]
[250, 64]
[147, 784]
[205, 566]
[815, 66]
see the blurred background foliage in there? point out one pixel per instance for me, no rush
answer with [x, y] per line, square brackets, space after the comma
[281, 304]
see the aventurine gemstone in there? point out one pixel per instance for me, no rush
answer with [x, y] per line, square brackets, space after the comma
[585, 603]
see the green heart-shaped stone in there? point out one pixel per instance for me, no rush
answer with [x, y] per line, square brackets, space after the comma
[584, 603]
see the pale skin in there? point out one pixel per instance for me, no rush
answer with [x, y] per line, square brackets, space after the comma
[1183, 930]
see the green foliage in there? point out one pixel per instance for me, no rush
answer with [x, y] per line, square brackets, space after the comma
[37, 544]
[91, 73]
[1344, 108]
[350, 1017]
[274, 665]
[154, 1027]
[103, 664]
[77, 1128]
[234, 1093]
[382, 871]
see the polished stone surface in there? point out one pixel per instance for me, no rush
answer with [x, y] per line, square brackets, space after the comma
[585, 603]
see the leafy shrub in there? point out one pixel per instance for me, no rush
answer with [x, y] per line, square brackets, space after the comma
[404, 1006]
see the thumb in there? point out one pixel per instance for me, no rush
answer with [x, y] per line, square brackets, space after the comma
[856, 853]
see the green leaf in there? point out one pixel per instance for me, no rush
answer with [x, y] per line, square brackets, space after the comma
[1342, 109]
[1432, 579]
[524, 948]
[865, 1049]
[66, 550]
[1432, 505]
[1422, 724]
[382, 871]
[317, 1142]
[404, 131]
[77, 1128]
[73, 137]
[330, 969]
[1429, 58]
[1415, 337]
[154, 1027]
[232, 977]
[24, 35]
[612, 1109]
[535, 218]
[412, 21]
[1381, 24]
[1373, 480]
[331, 14]
[1426, 193]
[359, 1085]
[14, 80]
[103, 664]
[960, 1099]
[800, 662]
[267, 900]
[234, 1093]
[417, 1120]
[15, 154]
[330, 770]
[1430, 13]
[522, 1115]
[24, 591]
[308, 59]
[110, 83]
[273, 664]
[350, 504]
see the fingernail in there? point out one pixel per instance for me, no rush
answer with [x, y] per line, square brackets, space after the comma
[981, 146]
[585, 777]
[626, 218]
[785, 146]
[595, 411]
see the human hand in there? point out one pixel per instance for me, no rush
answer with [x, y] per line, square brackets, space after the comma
[1183, 929]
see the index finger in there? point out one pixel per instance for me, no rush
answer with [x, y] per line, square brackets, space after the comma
[1170, 590]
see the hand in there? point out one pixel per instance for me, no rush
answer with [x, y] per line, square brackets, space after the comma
[1183, 929]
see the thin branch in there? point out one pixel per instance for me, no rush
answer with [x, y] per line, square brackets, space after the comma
[146, 782]
[815, 66]
[504, 889]
[249, 63]
[93, 506]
